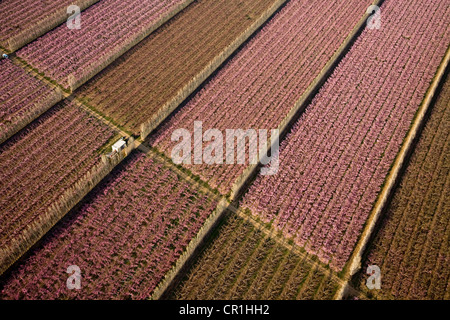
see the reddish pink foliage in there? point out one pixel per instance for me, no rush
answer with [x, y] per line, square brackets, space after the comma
[335, 160]
[106, 28]
[43, 160]
[261, 84]
[19, 92]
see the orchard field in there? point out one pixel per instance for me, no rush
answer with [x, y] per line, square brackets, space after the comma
[334, 161]
[355, 92]
[262, 83]
[173, 61]
[72, 57]
[23, 22]
[22, 100]
[40, 166]
[128, 252]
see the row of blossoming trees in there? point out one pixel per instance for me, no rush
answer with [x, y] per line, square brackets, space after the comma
[24, 21]
[334, 162]
[124, 237]
[412, 244]
[131, 231]
[261, 84]
[109, 28]
[244, 263]
[41, 168]
[52, 159]
[173, 61]
[22, 98]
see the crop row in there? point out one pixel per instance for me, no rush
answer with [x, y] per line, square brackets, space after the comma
[108, 29]
[244, 263]
[23, 22]
[173, 61]
[335, 160]
[262, 83]
[125, 237]
[22, 98]
[40, 163]
[412, 247]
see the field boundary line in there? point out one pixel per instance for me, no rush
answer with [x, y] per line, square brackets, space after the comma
[249, 172]
[197, 243]
[64, 95]
[354, 263]
[57, 210]
[302, 103]
[171, 279]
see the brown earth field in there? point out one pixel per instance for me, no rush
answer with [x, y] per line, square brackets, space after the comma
[24, 21]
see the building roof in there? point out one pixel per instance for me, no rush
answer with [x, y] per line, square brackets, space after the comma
[119, 144]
